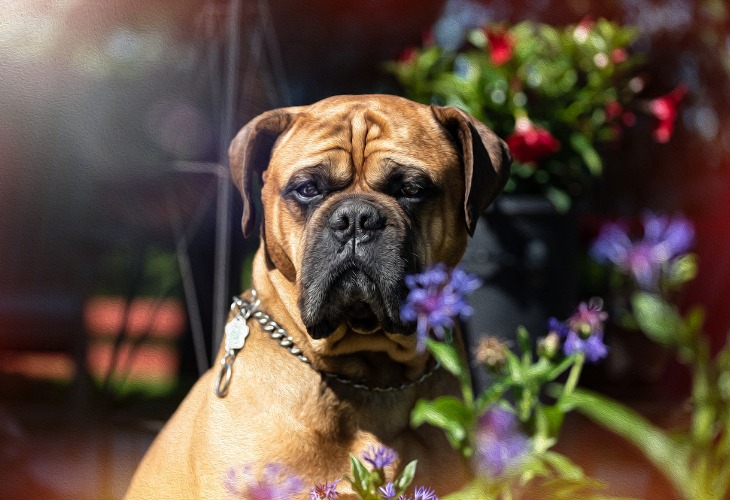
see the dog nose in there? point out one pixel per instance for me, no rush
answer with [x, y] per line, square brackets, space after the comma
[357, 221]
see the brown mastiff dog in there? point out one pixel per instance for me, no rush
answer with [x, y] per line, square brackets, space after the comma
[357, 191]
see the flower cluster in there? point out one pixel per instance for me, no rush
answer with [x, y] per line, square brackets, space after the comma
[583, 331]
[373, 484]
[379, 456]
[324, 491]
[275, 483]
[436, 298]
[530, 143]
[665, 111]
[647, 258]
[557, 94]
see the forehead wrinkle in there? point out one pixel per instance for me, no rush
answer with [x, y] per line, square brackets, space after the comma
[358, 138]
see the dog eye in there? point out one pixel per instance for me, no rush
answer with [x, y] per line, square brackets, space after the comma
[308, 190]
[410, 190]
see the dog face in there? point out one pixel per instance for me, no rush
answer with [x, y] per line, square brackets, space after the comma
[359, 191]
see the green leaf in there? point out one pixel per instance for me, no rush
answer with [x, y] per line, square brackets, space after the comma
[471, 491]
[515, 370]
[477, 38]
[588, 153]
[682, 270]
[406, 477]
[448, 357]
[360, 476]
[447, 413]
[490, 396]
[694, 320]
[564, 466]
[667, 455]
[559, 198]
[657, 318]
[554, 417]
[523, 339]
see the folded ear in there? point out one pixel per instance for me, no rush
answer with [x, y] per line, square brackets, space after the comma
[249, 156]
[485, 156]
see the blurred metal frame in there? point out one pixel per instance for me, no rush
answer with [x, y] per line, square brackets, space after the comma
[252, 55]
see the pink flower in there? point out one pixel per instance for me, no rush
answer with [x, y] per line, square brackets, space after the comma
[501, 46]
[530, 143]
[618, 56]
[664, 109]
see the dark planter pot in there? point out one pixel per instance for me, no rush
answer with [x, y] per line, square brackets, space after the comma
[527, 255]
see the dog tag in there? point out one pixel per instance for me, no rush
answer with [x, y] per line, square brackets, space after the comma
[236, 333]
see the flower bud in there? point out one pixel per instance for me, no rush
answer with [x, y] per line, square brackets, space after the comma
[491, 352]
[549, 346]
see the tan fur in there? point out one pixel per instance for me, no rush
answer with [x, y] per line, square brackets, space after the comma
[278, 409]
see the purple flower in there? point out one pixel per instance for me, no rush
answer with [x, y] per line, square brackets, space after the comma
[388, 491]
[324, 491]
[424, 493]
[435, 299]
[379, 456]
[583, 331]
[593, 346]
[499, 443]
[276, 483]
[664, 239]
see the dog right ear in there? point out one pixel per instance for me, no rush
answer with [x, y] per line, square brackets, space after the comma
[249, 156]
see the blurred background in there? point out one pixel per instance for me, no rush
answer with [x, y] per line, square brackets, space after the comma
[120, 238]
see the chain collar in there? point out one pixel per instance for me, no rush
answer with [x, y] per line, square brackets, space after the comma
[237, 331]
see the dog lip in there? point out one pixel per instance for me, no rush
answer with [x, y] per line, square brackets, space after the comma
[362, 319]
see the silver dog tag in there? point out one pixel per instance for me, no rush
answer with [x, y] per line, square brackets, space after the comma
[236, 333]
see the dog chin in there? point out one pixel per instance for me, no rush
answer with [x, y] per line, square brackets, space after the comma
[353, 299]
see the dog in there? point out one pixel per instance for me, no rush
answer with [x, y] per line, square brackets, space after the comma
[357, 192]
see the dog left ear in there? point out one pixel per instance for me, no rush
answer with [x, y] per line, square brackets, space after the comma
[485, 156]
[249, 156]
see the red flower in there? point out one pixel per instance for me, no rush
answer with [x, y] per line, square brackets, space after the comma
[664, 109]
[501, 46]
[530, 143]
[613, 109]
[618, 56]
[583, 29]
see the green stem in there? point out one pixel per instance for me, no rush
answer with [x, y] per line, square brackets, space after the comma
[525, 404]
[573, 377]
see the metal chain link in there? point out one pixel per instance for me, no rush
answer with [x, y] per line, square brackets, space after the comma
[246, 308]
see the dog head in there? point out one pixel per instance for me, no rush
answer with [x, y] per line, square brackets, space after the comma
[359, 191]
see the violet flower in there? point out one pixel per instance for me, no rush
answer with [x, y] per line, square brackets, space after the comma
[664, 239]
[276, 483]
[583, 331]
[379, 456]
[435, 299]
[499, 442]
[324, 491]
[388, 491]
[421, 493]
[424, 493]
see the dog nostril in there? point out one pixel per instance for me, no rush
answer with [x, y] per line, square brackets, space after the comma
[371, 221]
[340, 222]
